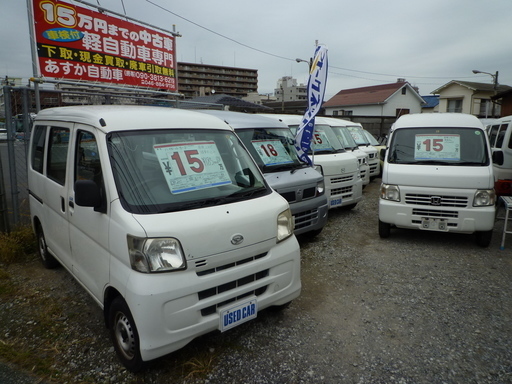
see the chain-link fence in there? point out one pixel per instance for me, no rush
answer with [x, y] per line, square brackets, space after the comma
[16, 116]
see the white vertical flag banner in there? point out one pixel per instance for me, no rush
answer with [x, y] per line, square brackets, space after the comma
[316, 90]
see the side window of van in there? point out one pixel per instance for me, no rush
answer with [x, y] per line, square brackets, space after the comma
[87, 162]
[57, 154]
[501, 135]
[37, 152]
[492, 135]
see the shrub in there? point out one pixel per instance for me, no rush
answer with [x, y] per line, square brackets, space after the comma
[16, 245]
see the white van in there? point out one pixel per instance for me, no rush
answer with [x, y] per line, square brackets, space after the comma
[343, 183]
[357, 131]
[500, 137]
[272, 145]
[438, 176]
[164, 218]
[339, 127]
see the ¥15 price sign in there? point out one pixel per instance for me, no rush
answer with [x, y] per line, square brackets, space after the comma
[272, 152]
[320, 141]
[437, 147]
[192, 166]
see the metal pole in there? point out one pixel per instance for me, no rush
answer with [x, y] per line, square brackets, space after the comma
[34, 54]
[11, 156]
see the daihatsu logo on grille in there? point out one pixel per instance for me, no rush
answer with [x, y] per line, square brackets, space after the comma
[435, 200]
[237, 239]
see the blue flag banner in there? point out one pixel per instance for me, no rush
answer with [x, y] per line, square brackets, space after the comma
[316, 90]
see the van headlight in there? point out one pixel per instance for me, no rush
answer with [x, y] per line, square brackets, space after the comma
[484, 197]
[320, 188]
[284, 225]
[389, 192]
[148, 255]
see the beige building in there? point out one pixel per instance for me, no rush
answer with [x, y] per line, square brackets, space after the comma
[469, 97]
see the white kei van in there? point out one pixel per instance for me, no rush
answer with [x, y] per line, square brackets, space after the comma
[164, 218]
[357, 132]
[272, 145]
[500, 137]
[438, 176]
[339, 127]
[343, 183]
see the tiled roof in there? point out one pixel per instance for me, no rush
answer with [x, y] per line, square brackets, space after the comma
[432, 101]
[487, 87]
[231, 101]
[377, 94]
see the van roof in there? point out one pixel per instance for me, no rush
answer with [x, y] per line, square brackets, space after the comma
[108, 118]
[460, 120]
[286, 119]
[240, 120]
[333, 122]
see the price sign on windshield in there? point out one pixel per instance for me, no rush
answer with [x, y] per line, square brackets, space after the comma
[192, 166]
[437, 147]
[272, 152]
[321, 142]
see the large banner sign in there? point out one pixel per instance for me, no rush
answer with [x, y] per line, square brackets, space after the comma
[316, 90]
[77, 43]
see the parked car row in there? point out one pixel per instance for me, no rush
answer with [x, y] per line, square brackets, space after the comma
[188, 215]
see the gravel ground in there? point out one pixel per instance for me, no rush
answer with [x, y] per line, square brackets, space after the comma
[418, 307]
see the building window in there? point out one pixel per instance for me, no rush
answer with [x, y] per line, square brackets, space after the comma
[485, 107]
[402, 111]
[404, 91]
[346, 113]
[454, 105]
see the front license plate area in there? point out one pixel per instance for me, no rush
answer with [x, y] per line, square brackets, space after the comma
[430, 224]
[335, 202]
[238, 314]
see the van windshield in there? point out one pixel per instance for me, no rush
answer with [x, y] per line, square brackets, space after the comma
[358, 135]
[345, 137]
[272, 148]
[325, 141]
[161, 170]
[439, 146]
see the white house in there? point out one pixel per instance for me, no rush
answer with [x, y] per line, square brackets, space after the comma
[384, 100]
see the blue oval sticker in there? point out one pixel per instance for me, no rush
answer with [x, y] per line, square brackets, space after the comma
[63, 34]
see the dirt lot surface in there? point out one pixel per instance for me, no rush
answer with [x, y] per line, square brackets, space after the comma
[419, 307]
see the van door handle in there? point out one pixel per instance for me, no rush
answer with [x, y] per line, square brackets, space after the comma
[62, 204]
[71, 204]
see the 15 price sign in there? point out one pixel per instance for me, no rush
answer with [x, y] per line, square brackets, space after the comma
[437, 147]
[192, 166]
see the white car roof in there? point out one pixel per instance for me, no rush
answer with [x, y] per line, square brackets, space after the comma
[438, 120]
[240, 120]
[110, 118]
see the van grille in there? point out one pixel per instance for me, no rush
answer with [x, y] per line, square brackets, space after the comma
[435, 214]
[435, 200]
[342, 179]
[291, 197]
[306, 218]
[203, 263]
[230, 286]
[346, 191]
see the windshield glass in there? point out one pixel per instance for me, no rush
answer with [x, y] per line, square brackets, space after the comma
[272, 148]
[439, 146]
[344, 136]
[371, 138]
[358, 135]
[173, 170]
[325, 141]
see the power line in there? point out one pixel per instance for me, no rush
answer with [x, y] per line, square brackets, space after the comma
[290, 59]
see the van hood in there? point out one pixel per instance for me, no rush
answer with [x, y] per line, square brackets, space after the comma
[438, 176]
[210, 231]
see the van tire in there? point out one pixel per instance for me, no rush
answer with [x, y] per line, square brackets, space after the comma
[384, 230]
[48, 261]
[483, 238]
[124, 335]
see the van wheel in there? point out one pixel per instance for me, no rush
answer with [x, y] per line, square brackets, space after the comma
[384, 230]
[124, 335]
[49, 262]
[483, 238]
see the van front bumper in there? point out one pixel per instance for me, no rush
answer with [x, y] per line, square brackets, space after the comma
[461, 220]
[171, 309]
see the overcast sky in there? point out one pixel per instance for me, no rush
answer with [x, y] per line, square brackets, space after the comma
[370, 42]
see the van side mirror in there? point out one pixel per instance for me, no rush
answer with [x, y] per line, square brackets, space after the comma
[88, 194]
[497, 157]
[382, 154]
